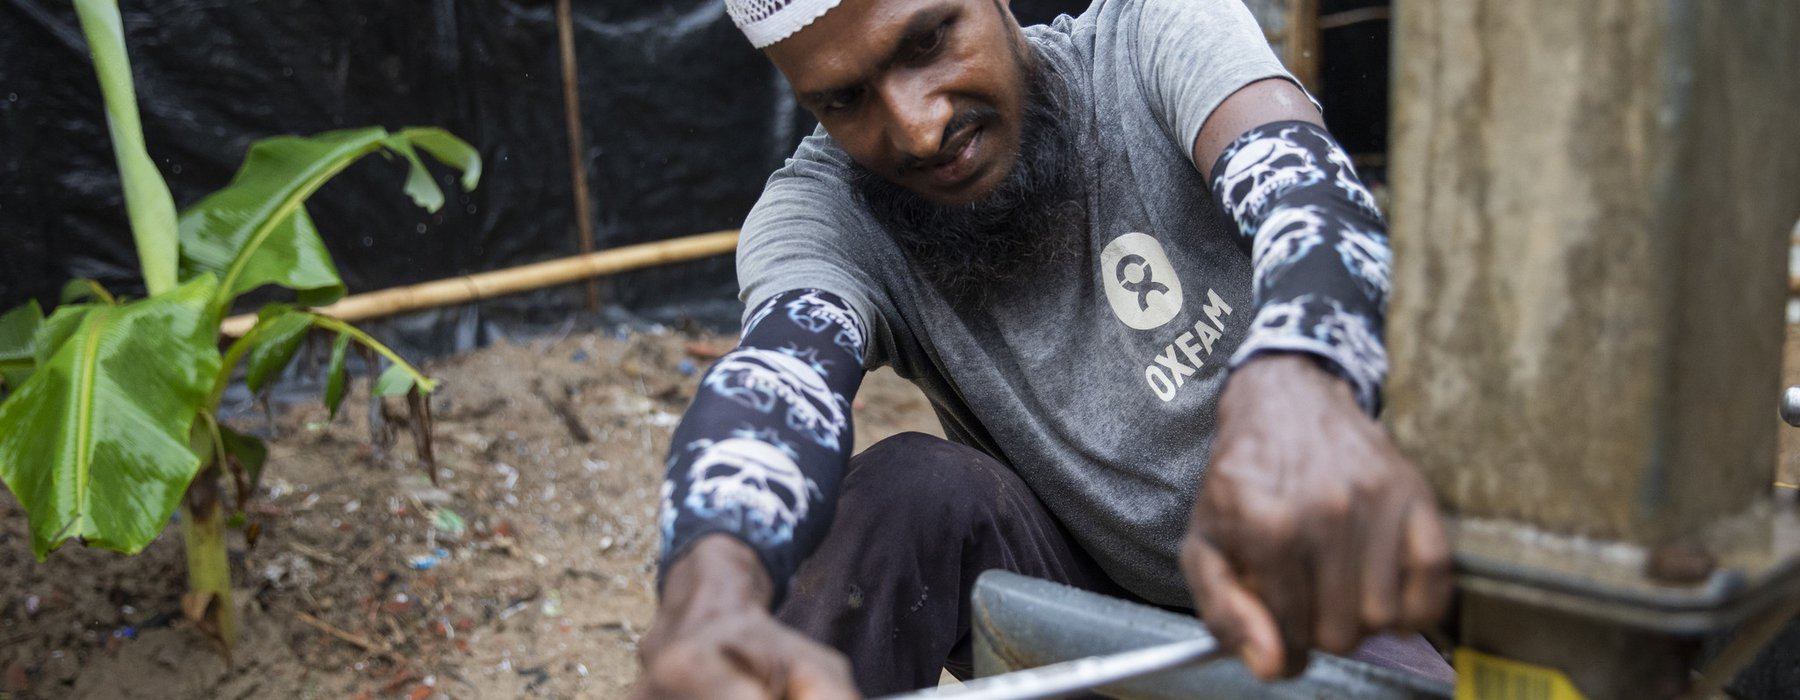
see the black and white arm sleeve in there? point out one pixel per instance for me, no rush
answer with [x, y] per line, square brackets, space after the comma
[760, 453]
[1319, 249]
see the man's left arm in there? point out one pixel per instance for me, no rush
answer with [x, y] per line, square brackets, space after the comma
[1312, 529]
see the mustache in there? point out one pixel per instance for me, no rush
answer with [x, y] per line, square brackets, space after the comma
[975, 253]
[972, 116]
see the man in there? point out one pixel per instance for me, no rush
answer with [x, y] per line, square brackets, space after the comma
[1070, 237]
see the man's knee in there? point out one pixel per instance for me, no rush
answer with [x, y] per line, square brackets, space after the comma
[919, 481]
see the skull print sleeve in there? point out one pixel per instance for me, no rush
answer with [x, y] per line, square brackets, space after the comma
[1318, 247]
[1316, 240]
[759, 454]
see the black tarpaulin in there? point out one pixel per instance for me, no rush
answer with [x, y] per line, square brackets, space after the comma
[682, 122]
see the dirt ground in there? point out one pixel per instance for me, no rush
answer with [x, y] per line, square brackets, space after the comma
[527, 573]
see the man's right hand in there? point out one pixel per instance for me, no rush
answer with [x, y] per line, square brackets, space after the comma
[714, 636]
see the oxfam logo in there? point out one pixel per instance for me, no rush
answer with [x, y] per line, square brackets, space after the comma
[1140, 283]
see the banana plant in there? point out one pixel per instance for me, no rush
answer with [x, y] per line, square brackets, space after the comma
[109, 421]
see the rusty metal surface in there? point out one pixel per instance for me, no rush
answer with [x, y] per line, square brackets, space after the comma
[1754, 557]
[1021, 622]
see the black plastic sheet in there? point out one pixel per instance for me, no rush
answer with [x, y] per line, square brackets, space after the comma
[683, 121]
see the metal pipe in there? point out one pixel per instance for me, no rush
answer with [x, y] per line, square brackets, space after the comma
[1021, 622]
[1059, 679]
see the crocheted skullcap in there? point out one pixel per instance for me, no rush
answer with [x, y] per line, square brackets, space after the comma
[768, 21]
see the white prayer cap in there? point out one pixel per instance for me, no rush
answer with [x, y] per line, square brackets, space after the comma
[768, 21]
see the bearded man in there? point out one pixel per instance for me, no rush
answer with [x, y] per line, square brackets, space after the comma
[1143, 289]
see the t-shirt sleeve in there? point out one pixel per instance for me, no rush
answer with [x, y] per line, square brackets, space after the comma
[1192, 54]
[802, 235]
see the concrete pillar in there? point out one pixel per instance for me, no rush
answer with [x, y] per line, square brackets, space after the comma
[1590, 217]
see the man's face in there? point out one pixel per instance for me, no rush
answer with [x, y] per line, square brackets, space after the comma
[924, 93]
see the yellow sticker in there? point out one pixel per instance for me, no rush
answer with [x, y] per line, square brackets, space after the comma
[1483, 677]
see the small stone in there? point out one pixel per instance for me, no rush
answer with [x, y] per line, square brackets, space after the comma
[18, 682]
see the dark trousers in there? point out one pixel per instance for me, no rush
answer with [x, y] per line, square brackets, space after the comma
[918, 520]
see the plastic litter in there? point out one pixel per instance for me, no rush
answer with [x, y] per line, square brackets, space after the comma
[448, 522]
[426, 562]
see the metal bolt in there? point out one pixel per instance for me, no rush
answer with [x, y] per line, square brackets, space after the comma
[1790, 406]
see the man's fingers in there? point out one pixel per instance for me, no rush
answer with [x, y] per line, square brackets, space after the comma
[1381, 573]
[1289, 600]
[825, 679]
[1426, 589]
[693, 671]
[1338, 588]
[814, 671]
[1232, 613]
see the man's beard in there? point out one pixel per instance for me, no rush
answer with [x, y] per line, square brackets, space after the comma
[971, 252]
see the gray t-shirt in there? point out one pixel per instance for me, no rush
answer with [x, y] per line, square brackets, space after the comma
[1099, 384]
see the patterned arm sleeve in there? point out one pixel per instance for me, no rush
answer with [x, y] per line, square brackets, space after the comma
[1319, 250]
[760, 453]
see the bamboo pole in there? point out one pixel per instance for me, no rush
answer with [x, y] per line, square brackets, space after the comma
[1302, 42]
[485, 285]
[1356, 16]
[584, 218]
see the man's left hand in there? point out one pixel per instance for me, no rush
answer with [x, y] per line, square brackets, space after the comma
[1311, 530]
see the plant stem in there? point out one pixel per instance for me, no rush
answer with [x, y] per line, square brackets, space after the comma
[232, 354]
[425, 384]
[203, 532]
[209, 568]
[148, 205]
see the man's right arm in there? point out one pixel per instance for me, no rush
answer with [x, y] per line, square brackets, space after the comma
[753, 471]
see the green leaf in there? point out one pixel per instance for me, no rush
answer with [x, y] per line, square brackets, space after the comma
[419, 186]
[277, 337]
[83, 289]
[57, 330]
[147, 202]
[250, 452]
[255, 231]
[18, 329]
[450, 150]
[221, 235]
[334, 374]
[393, 382]
[95, 443]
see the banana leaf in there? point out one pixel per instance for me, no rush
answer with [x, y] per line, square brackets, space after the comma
[394, 381]
[335, 375]
[247, 457]
[256, 231]
[278, 337]
[83, 289]
[17, 354]
[95, 443]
